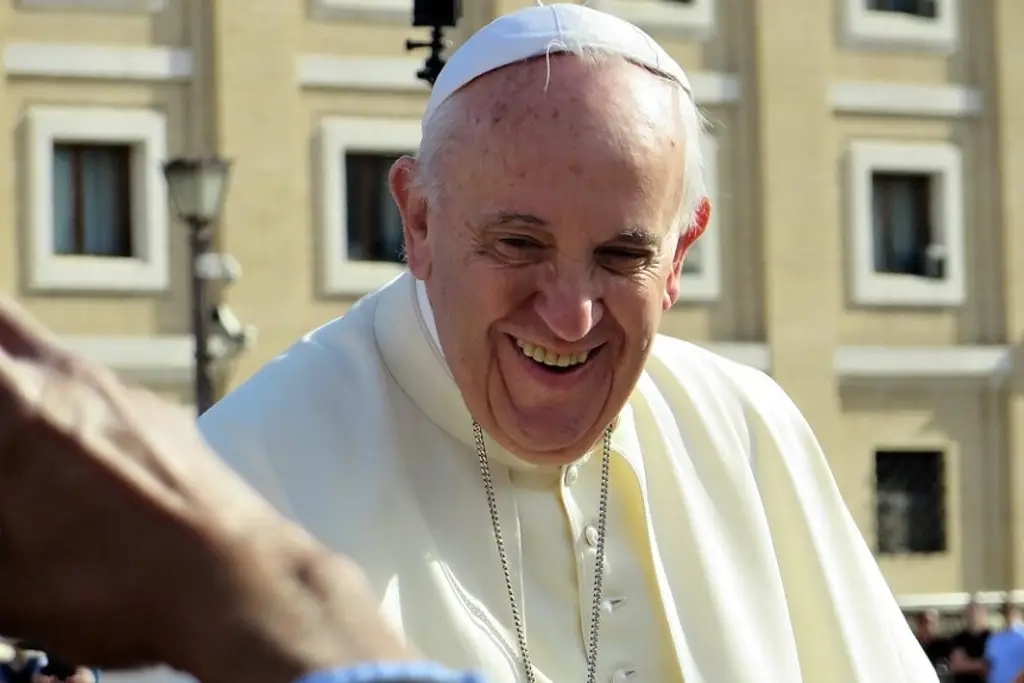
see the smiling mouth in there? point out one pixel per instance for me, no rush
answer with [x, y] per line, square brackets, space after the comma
[553, 361]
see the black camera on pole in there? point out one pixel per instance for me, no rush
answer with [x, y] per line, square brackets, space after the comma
[437, 14]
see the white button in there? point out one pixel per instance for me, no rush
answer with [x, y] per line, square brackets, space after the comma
[623, 675]
[609, 605]
[572, 473]
[590, 533]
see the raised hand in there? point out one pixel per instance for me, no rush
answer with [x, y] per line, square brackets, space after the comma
[147, 548]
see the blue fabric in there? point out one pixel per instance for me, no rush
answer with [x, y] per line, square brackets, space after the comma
[1004, 651]
[393, 672]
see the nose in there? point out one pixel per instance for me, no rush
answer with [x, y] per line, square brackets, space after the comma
[570, 308]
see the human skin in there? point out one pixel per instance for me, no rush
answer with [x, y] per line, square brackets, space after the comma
[149, 549]
[555, 233]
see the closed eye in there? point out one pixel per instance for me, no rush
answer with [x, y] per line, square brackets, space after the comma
[625, 254]
[624, 261]
[519, 243]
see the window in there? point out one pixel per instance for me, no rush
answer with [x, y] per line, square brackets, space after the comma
[92, 200]
[374, 223]
[360, 225]
[929, 25]
[906, 219]
[910, 507]
[693, 17]
[97, 204]
[701, 280]
[905, 243]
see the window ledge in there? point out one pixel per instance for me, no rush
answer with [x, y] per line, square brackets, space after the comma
[384, 11]
[985, 363]
[126, 6]
[955, 602]
[696, 19]
[157, 360]
[874, 30]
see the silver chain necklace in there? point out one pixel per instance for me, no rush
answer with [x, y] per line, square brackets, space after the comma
[602, 518]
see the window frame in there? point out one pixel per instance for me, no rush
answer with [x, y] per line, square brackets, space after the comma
[944, 163]
[338, 136]
[106, 6]
[706, 285]
[864, 28]
[148, 269]
[384, 11]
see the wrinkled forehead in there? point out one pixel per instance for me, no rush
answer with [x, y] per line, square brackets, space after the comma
[598, 149]
[549, 101]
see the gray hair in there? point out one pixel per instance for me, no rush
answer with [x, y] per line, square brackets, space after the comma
[450, 115]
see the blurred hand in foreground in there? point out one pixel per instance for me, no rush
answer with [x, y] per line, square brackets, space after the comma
[152, 550]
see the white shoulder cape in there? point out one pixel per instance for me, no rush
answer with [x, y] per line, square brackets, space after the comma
[358, 433]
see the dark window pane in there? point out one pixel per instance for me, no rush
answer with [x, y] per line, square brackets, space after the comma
[910, 502]
[92, 200]
[901, 216]
[921, 8]
[374, 225]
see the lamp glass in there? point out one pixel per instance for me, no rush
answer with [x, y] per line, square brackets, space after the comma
[197, 187]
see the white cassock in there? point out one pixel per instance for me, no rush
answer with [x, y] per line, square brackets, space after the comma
[731, 557]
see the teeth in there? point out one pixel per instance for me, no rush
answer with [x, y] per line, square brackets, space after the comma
[542, 355]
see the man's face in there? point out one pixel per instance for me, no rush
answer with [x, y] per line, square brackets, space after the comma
[976, 616]
[927, 624]
[551, 255]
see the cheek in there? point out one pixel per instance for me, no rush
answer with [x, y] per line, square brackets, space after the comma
[636, 307]
[477, 297]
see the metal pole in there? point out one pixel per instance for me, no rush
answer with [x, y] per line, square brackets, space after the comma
[435, 62]
[199, 244]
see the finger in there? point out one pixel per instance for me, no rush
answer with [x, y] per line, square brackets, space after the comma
[23, 336]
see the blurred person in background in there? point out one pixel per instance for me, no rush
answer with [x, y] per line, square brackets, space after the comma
[24, 664]
[967, 648]
[31, 663]
[1004, 650]
[935, 645]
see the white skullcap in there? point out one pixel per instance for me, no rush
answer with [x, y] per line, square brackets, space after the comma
[543, 30]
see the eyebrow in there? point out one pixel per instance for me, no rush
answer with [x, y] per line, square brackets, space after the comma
[636, 236]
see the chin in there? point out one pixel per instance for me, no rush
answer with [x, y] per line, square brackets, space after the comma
[552, 444]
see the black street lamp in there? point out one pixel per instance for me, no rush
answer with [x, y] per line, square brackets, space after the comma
[437, 14]
[197, 188]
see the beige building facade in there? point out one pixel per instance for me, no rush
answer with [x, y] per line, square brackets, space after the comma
[867, 249]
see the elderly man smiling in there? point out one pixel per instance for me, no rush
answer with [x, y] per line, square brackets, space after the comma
[538, 485]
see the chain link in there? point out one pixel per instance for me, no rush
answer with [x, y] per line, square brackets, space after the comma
[602, 524]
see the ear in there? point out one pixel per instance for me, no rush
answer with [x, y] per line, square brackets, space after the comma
[689, 235]
[407, 191]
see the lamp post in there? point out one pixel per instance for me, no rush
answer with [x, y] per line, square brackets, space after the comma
[196, 188]
[437, 14]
